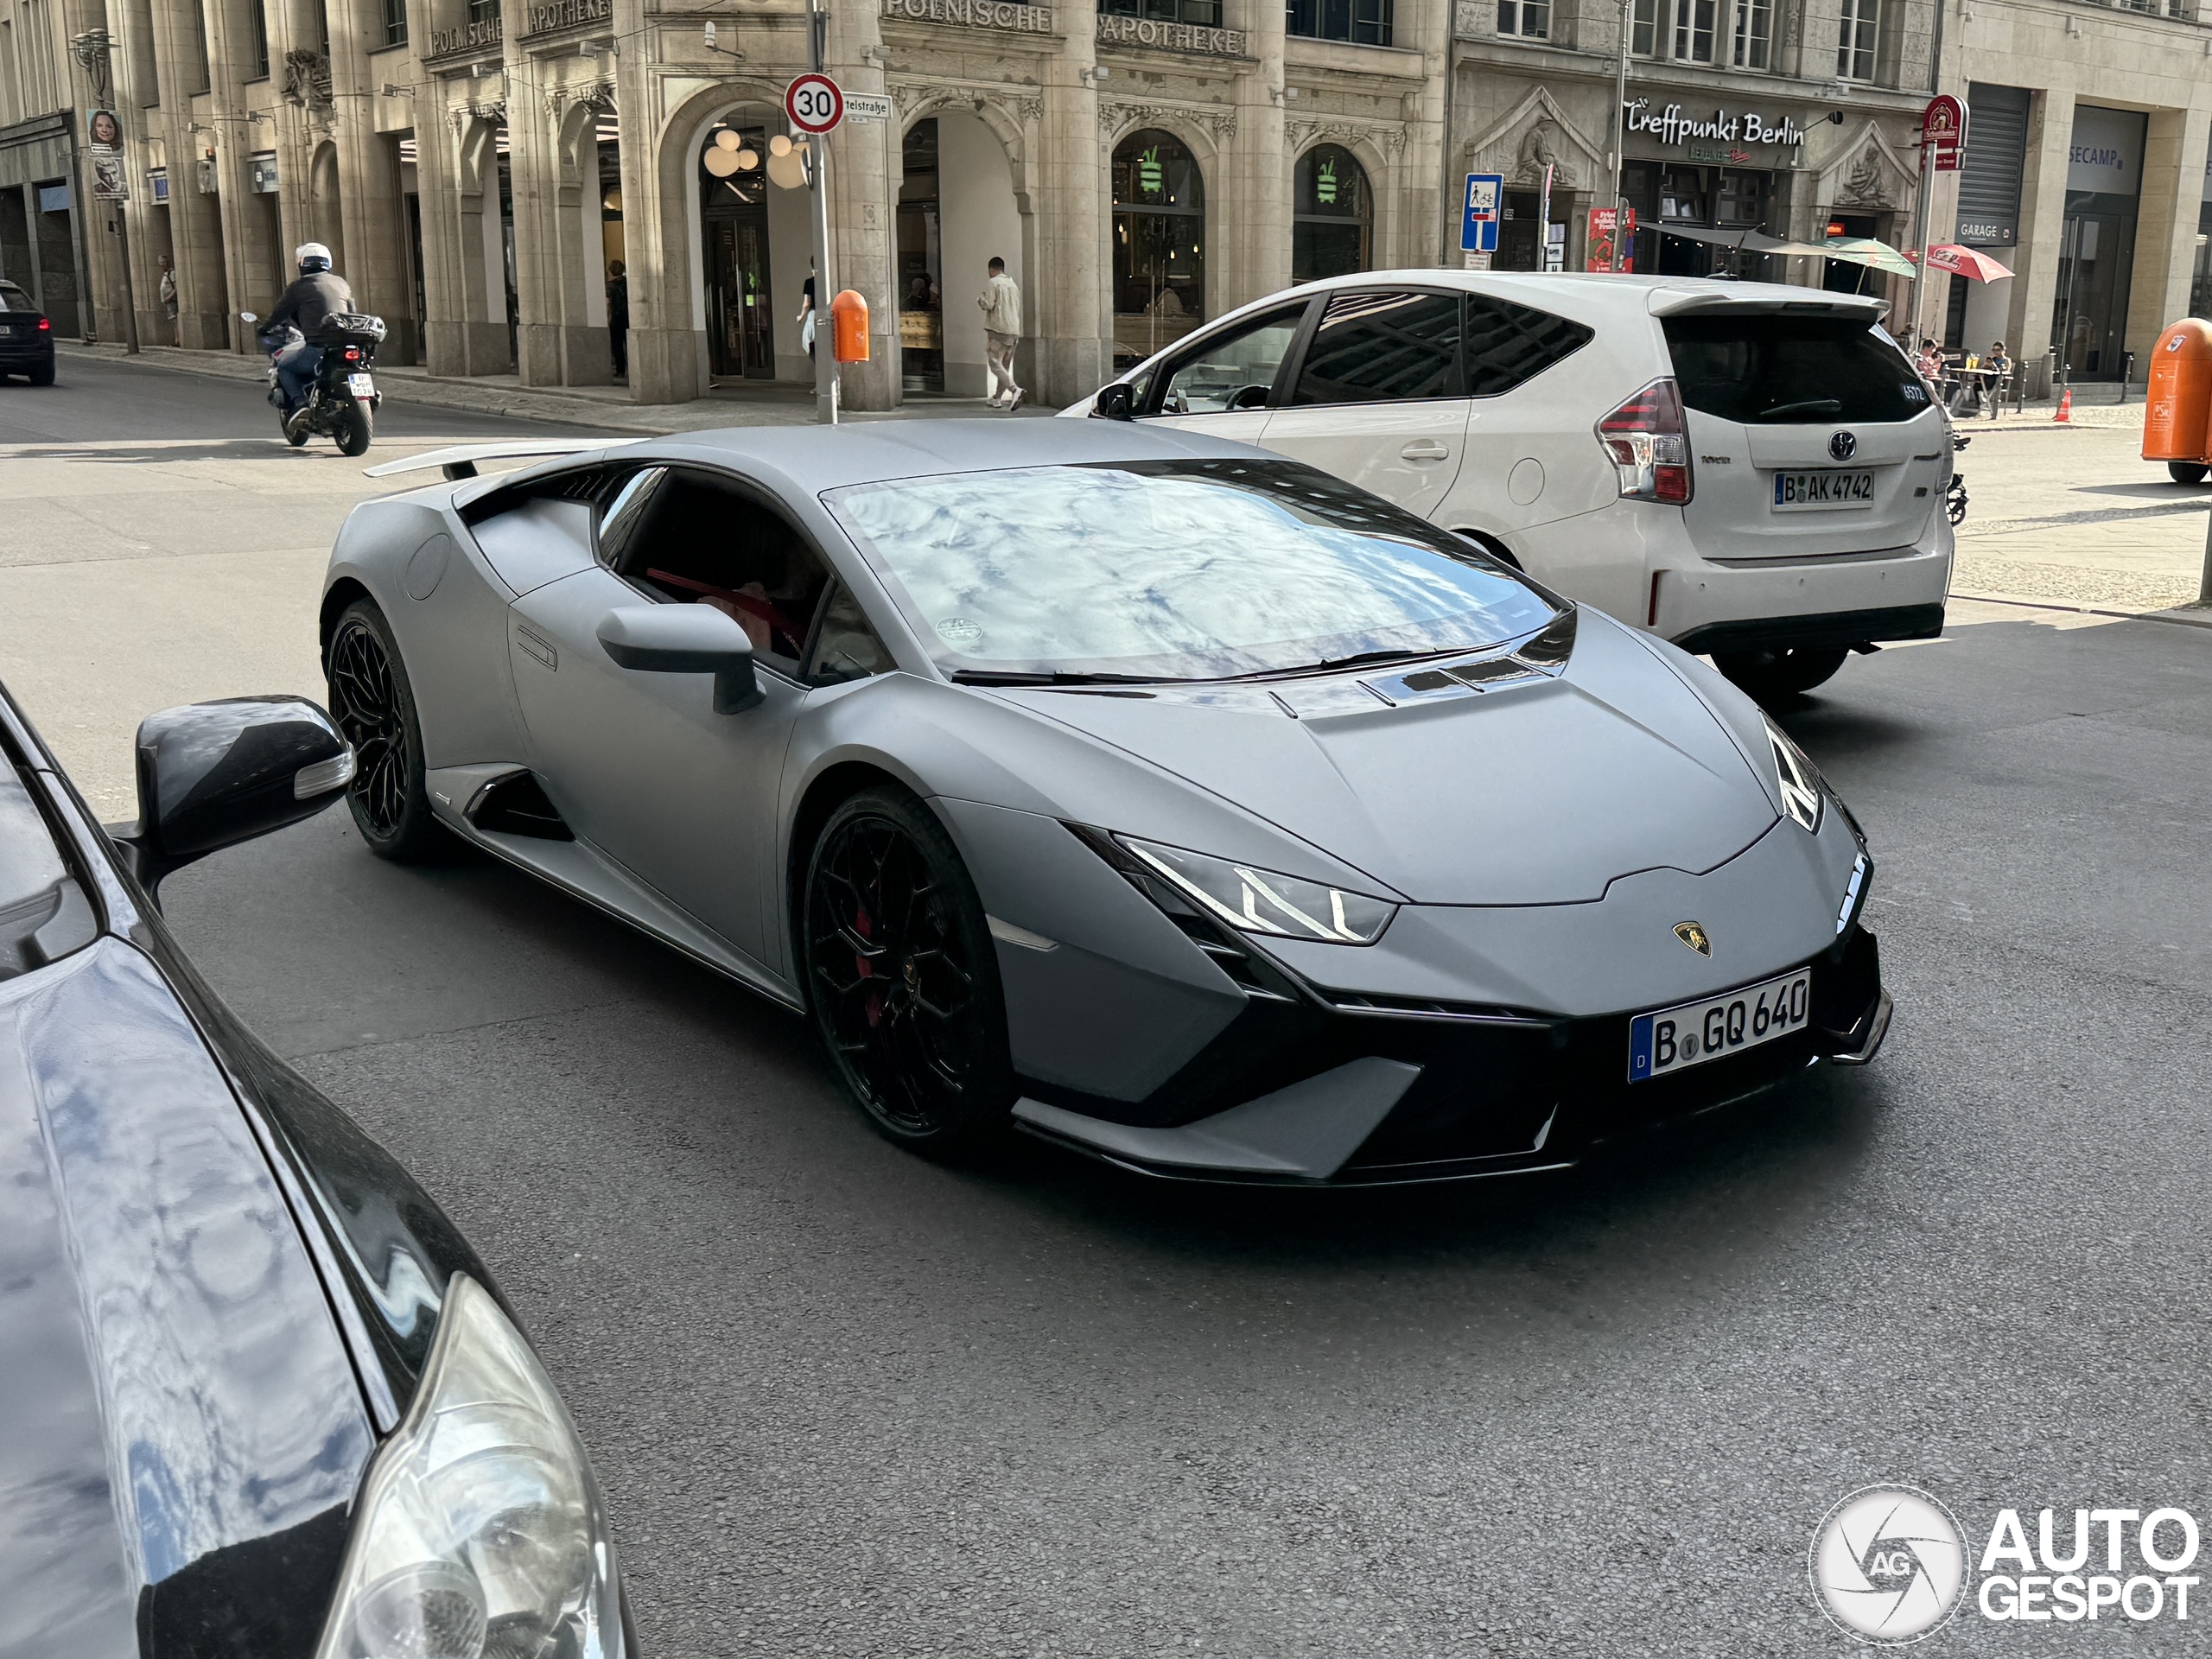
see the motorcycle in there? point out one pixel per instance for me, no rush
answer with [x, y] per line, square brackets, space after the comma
[1954, 499]
[342, 401]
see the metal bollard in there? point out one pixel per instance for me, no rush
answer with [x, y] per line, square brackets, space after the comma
[2126, 373]
[2204, 581]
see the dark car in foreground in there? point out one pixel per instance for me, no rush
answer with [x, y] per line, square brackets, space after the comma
[258, 1396]
[25, 337]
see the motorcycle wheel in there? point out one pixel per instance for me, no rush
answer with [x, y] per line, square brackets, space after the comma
[355, 432]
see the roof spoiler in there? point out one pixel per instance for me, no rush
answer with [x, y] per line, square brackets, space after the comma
[1675, 302]
[460, 460]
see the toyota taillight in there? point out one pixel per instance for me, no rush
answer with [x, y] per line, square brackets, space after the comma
[1647, 440]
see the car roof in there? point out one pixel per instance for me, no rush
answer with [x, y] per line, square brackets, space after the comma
[815, 459]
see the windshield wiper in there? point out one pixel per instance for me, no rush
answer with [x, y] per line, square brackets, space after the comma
[1056, 677]
[1806, 406]
[1358, 659]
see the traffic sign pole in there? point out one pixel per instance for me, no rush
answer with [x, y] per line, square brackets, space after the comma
[825, 354]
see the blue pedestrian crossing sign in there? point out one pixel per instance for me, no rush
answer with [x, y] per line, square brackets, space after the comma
[1485, 206]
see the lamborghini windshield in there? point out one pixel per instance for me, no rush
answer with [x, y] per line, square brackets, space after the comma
[1174, 570]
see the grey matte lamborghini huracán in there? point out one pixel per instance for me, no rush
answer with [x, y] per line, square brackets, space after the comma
[1156, 795]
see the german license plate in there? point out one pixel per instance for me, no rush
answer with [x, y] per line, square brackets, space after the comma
[1668, 1040]
[360, 385]
[1798, 492]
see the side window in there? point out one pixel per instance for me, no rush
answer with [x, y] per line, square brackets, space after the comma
[700, 540]
[1508, 343]
[1235, 369]
[845, 646]
[622, 516]
[43, 913]
[1383, 348]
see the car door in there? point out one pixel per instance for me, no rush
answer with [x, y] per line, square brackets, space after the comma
[1225, 382]
[639, 763]
[1379, 398]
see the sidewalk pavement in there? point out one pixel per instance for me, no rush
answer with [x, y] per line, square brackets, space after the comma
[596, 406]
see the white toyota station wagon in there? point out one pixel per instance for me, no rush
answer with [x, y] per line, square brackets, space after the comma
[1750, 470]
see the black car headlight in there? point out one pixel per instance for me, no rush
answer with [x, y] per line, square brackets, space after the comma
[1265, 902]
[479, 1530]
[1798, 779]
[1855, 893]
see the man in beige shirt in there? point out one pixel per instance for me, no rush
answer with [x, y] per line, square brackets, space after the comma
[1001, 301]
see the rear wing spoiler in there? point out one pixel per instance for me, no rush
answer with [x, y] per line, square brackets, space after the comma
[458, 460]
[1800, 302]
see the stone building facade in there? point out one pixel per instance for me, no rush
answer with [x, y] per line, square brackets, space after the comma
[478, 165]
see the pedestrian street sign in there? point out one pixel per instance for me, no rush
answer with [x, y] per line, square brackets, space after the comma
[1485, 206]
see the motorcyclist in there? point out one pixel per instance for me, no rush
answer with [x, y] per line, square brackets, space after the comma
[318, 291]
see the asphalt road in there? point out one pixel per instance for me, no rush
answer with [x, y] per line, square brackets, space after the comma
[847, 1402]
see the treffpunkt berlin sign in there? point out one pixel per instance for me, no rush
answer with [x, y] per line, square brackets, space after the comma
[1671, 126]
[973, 14]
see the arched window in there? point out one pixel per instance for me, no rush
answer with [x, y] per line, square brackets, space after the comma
[1159, 244]
[1333, 222]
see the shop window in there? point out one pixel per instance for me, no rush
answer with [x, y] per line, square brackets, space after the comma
[395, 22]
[1201, 14]
[1693, 22]
[1753, 32]
[1859, 36]
[2200, 287]
[1530, 19]
[1364, 23]
[1682, 195]
[1332, 220]
[1743, 201]
[1643, 29]
[1159, 241]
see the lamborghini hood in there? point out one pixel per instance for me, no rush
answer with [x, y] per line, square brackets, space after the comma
[1536, 792]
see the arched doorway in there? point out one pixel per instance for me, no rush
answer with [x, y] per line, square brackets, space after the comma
[734, 243]
[957, 213]
[1332, 220]
[1159, 238]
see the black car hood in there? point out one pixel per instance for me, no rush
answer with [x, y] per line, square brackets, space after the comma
[181, 1429]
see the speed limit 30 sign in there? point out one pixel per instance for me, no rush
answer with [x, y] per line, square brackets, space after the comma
[814, 104]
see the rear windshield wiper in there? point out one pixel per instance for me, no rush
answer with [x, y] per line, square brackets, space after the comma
[1806, 406]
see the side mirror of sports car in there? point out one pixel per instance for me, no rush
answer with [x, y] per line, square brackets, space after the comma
[213, 774]
[684, 639]
[1113, 403]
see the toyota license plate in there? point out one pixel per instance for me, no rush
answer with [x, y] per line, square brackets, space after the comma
[360, 385]
[1668, 1040]
[1796, 492]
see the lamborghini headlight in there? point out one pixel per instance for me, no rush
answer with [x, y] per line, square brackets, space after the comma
[1802, 798]
[1264, 902]
[479, 1533]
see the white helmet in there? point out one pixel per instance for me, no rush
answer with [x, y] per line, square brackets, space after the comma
[311, 256]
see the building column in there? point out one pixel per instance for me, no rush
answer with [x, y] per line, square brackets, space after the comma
[2165, 226]
[1256, 168]
[663, 345]
[863, 212]
[203, 285]
[2043, 223]
[1069, 273]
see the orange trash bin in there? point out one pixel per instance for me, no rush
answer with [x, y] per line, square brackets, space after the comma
[2178, 404]
[848, 327]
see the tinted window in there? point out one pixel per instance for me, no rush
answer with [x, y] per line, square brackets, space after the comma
[1508, 343]
[845, 646]
[1174, 570]
[1782, 371]
[43, 913]
[1235, 369]
[1383, 348]
[704, 543]
[13, 299]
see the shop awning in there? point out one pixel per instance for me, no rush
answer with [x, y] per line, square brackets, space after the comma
[1743, 241]
[1865, 251]
[1964, 261]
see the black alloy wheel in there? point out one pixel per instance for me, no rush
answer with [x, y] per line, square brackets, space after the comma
[1768, 675]
[903, 978]
[374, 706]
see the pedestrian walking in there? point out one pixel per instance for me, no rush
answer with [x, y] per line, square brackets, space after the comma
[168, 299]
[1001, 303]
[617, 316]
[805, 318]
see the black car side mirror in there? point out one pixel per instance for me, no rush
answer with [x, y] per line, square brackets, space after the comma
[1113, 403]
[684, 639]
[213, 774]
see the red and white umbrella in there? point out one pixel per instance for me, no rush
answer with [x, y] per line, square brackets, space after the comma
[1964, 261]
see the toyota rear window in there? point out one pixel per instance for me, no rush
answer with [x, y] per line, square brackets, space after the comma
[1765, 370]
